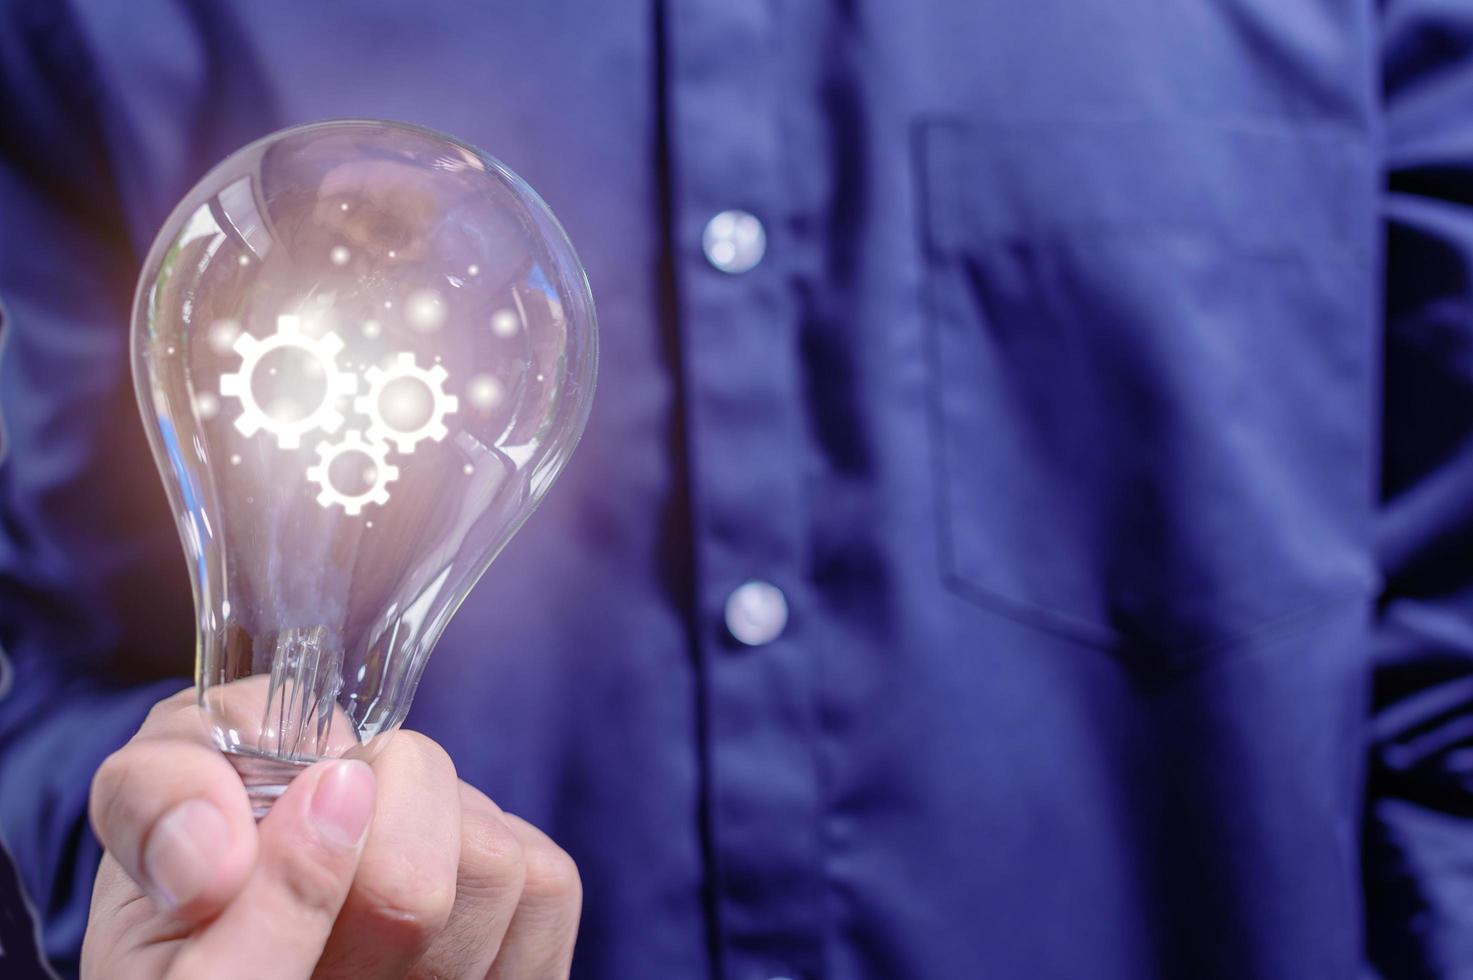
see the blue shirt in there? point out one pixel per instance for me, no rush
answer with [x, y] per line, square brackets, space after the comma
[1100, 407]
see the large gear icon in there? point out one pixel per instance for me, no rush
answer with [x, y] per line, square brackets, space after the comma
[382, 473]
[441, 403]
[253, 418]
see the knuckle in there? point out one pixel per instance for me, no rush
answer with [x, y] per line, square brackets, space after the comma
[108, 800]
[408, 905]
[552, 877]
[108, 782]
[423, 755]
[126, 787]
[492, 859]
[426, 753]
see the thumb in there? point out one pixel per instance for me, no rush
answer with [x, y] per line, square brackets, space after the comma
[309, 848]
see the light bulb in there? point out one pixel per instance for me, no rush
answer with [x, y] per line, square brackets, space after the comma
[363, 352]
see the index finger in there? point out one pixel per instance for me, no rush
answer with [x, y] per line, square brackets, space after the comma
[172, 811]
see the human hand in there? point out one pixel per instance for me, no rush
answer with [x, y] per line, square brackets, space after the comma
[385, 870]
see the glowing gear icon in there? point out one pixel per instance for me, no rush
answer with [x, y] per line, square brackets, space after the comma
[379, 474]
[441, 404]
[323, 352]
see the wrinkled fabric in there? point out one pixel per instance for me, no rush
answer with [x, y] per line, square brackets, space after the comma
[1100, 406]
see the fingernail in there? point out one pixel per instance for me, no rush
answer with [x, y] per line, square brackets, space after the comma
[183, 851]
[342, 803]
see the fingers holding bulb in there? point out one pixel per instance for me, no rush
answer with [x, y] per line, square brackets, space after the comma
[310, 846]
[173, 813]
[544, 927]
[405, 886]
[489, 884]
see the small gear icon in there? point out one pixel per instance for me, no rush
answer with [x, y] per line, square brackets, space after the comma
[441, 403]
[253, 418]
[379, 475]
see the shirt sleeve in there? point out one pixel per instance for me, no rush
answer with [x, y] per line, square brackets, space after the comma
[94, 608]
[1418, 848]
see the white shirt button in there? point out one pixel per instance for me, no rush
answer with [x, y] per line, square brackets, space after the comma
[756, 613]
[734, 241]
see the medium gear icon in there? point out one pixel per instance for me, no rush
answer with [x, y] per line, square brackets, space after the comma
[441, 403]
[382, 473]
[253, 418]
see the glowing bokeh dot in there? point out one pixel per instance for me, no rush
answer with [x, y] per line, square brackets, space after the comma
[206, 404]
[371, 328]
[339, 255]
[484, 392]
[222, 336]
[505, 324]
[426, 310]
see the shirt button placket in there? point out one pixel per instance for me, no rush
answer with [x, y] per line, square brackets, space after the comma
[745, 423]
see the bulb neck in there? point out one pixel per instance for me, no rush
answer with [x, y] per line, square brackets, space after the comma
[265, 779]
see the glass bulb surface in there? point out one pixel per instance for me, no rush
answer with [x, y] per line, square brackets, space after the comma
[363, 352]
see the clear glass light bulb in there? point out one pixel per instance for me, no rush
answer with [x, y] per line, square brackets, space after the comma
[363, 352]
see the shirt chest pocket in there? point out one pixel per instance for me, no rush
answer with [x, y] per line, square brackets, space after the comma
[1151, 348]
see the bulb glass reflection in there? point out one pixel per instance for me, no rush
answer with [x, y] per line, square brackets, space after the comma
[363, 352]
